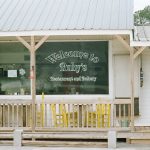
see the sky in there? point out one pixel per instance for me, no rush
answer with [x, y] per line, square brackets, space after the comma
[140, 4]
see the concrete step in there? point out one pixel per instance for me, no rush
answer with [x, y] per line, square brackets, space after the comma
[65, 143]
[65, 135]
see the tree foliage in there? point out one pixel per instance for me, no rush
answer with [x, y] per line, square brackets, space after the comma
[142, 17]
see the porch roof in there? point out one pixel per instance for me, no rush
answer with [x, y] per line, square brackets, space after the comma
[45, 15]
[142, 33]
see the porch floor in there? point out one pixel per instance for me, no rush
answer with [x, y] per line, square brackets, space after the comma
[142, 129]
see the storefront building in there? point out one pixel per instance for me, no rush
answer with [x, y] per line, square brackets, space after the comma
[82, 61]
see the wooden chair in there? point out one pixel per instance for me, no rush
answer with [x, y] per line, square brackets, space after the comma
[40, 115]
[101, 117]
[59, 119]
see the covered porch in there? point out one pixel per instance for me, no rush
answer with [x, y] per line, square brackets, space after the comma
[45, 117]
[58, 72]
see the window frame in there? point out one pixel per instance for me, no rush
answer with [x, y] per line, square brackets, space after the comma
[85, 96]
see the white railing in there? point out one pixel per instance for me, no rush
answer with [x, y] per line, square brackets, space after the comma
[68, 114]
[15, 114]
[122, 112]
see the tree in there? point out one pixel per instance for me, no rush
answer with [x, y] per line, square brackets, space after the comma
[142, 17]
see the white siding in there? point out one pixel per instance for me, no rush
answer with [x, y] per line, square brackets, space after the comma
[122, 76]
[122, 80]
[144, 118]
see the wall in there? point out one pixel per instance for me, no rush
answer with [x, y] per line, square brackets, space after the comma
[122, 80]
[121, 69]
[122, 76]
[144, 94]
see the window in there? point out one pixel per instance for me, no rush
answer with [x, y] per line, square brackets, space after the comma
[14, 69]
[72, 68]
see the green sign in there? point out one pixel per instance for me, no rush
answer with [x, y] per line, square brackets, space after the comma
[73, 68]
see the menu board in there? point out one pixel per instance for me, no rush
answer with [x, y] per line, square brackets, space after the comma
[12, 73]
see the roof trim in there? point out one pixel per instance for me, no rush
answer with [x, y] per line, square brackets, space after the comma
[78, 32]
[66, 32]
[140, 43]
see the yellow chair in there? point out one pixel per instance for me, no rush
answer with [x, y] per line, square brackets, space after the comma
[103, 117]
[39, 115]
[73, 119]
[91, 119]
[60, 119]
[38, 119]
[100, 117]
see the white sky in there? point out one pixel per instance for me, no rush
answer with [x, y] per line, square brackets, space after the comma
[140, 4]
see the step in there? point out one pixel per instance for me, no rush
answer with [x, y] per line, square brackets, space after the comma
[66, 135]
[138, 141]
[6, 142]
[6, 135]
[65, 143]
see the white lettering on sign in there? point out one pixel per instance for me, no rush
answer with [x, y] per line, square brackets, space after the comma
[53, 58]
[72, 67]
[93, 58]
[75, 79]
[59, 79]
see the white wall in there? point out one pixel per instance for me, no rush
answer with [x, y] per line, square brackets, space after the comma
[121, 69]
[122, 76]
[144, 119]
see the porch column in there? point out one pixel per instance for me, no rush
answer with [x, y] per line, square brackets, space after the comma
[33, 80]
[32, 47]
[132, 87]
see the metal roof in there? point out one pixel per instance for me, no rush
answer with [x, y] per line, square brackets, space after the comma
[37, 15]
[142, 33]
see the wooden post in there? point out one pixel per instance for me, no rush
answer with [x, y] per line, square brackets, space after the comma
[33, 79]
[32, 47]
[132, 87]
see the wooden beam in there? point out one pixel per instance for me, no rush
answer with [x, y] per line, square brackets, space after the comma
[41, 42]
[139, 52]
[126, 45]
[24, 42]
[33, 80]
[132, 88]
[122, 101]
